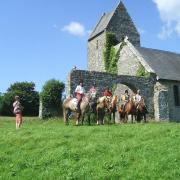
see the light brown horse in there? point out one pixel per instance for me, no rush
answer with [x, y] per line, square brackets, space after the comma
[70, 105]
[102, 105]
[129, 109]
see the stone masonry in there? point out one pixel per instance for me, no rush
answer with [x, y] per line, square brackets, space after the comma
[119, 23]
[95, 53]
[102, 80]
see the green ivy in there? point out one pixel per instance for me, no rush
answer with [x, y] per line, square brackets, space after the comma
[111, 55]
[141, 71]
[110, 42]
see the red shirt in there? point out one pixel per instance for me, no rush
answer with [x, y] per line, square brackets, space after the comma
[107, 93]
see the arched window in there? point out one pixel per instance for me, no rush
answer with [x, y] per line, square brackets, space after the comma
[176, 95]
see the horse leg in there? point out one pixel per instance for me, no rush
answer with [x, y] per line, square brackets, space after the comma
[82, 119]
[102, 117]
[89, 119]
[109, 121]
[132, 118]
[126, 117]
[145, 118]
[65, 114]
[114, 117]
[138, 117]
[77, 118]
[97, 117]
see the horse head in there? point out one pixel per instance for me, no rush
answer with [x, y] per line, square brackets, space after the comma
[141, 106]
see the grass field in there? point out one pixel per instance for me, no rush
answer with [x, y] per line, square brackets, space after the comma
[51, 150]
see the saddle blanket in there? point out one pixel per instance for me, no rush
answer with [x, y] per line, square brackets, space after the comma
[73, 104]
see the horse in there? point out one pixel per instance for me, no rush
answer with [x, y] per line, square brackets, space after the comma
[112, 109]
[141, 110]
[70, 104]
[128, 109]
[102, 104]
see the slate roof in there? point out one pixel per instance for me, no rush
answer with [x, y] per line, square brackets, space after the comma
[102, 24]
[165, 64]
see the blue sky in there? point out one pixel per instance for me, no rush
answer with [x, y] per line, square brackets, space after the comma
[44, 39]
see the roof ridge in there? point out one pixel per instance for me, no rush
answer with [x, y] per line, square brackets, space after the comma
[159, 50]
[97, 24]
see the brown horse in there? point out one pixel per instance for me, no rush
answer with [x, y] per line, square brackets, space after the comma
[112, 109]
[141, 110]
[70, 104]
[129, 109]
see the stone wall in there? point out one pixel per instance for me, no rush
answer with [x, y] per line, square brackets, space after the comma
[103, 80]
[164, 103]
[95, 53]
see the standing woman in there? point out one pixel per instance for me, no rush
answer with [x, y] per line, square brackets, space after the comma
[18, 111]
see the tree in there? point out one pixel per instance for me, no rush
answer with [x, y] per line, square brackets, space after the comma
[51, 96]
[28, 96]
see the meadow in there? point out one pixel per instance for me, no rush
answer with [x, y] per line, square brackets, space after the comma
[51, 150]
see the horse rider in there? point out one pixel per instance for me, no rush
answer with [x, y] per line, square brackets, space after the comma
[93, 93]
[79, 93]
[125, 99]
[137, 98]
[107, 92]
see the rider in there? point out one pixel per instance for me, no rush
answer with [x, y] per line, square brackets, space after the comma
[107, 92]
[93, 92]
[79, 92]
[125, 98]
[137, 98]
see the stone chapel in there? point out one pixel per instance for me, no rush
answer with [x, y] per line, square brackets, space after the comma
[161, 89]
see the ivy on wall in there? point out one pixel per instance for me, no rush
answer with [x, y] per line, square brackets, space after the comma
[111, 55]
[141, 71]
[107, 53]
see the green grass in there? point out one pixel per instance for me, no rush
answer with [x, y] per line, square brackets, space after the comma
[51, 150]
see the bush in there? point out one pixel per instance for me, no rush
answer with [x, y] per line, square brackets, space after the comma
[51, 96]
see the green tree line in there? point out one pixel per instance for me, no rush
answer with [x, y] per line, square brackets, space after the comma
[50, 96]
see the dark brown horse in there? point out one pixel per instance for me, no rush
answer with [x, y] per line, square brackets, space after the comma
[129, 109]
[141, 110]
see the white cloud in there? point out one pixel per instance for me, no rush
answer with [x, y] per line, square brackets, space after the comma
[75, 28]
[170, 14]
[166, 32]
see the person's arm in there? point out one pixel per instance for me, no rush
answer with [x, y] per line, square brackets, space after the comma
[77, 89]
